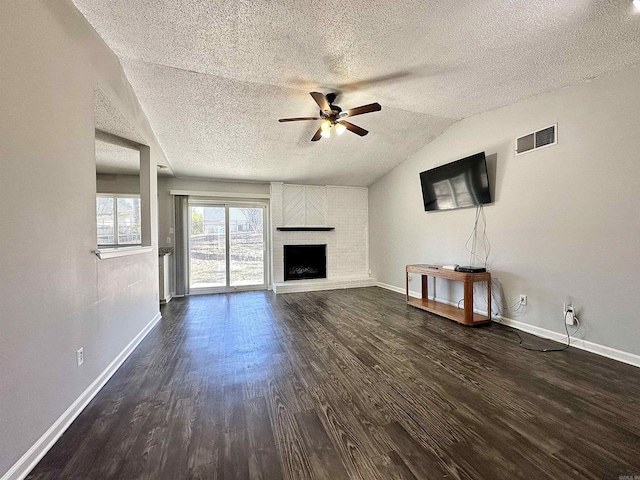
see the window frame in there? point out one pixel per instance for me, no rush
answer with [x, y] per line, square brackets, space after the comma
[116, 229]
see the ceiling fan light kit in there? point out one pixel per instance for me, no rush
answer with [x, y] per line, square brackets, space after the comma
[333, 116]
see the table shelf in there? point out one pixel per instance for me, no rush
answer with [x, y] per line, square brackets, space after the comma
[466, 315]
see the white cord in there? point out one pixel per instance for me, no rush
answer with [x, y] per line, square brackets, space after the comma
[517, 310]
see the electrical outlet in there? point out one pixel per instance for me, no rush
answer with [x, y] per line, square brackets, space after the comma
[410, 277]
[80, 356]
[569, 314]
[523, 299]
[169, 240]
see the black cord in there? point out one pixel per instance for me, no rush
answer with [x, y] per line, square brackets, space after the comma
[548, 350]
[521, 340]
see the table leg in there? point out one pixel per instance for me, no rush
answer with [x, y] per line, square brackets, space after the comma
[425, 286]
[406, 281]
[468, 303]
[489, 299]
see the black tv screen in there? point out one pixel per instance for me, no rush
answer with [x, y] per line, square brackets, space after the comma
[459, 184]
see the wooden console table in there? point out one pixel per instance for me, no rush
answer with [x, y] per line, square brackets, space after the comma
[465, 315]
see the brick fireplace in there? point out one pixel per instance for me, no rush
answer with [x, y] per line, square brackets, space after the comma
[335, 217]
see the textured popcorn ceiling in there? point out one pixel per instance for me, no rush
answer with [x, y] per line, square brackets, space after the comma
[214, 76]
[116, 159]
[108, 118]
[113, 156]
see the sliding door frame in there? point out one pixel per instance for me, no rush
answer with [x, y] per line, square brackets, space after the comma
[226, 204]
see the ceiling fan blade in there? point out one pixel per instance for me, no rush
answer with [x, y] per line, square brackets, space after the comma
[297, 119]
[321, 101]
[354, 128]
[372, 107]
[317, 136]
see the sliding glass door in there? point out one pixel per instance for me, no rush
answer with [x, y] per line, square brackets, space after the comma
[227, 245]
[207, 247]
[246, 246]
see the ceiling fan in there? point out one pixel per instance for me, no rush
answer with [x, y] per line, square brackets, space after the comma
[332, 116]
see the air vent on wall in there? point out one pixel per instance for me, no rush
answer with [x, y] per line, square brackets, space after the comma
[542, 138]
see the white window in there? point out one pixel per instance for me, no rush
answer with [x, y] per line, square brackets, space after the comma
[118, 220]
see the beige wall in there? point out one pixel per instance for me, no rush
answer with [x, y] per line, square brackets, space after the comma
[123, 184]
[566, 220]
[165, 200]
[130, 184]
[56, 296]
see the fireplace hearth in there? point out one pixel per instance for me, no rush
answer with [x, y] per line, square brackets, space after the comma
[303, 262]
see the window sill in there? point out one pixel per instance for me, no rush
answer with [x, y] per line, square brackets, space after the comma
[105, 253]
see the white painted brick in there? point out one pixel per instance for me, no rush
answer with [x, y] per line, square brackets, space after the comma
[347, 246]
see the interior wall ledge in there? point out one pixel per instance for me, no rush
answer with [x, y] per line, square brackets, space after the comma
[105, 253]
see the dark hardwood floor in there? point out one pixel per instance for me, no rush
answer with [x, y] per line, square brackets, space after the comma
[349, 384]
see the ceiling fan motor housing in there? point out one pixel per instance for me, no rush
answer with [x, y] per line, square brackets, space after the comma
[335, 111]
[331, 97]
[333, 115]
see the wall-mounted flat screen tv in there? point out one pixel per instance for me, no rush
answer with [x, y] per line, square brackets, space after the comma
[459, 184]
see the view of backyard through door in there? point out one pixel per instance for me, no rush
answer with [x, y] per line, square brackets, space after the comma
[226, 246]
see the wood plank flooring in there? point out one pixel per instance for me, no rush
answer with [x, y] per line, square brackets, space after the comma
[349, 384]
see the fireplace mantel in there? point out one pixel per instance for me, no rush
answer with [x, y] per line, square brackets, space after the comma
[305, 228]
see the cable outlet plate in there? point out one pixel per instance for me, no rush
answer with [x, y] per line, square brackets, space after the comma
[523, 300]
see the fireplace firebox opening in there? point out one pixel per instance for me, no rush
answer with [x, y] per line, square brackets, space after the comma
[302, 262]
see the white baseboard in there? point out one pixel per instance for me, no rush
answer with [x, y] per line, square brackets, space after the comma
[393, 288]
[166, 300]
[31, 458]
[609, 352]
